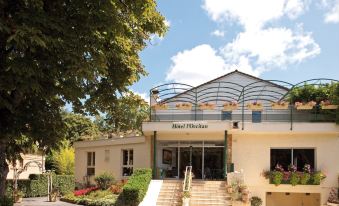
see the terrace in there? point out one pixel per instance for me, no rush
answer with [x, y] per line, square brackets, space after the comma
[314, 100]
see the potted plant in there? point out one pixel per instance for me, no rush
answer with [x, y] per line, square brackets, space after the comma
[277, 175]
[206, 106]
[17, 196]
[159, 106]
[229, 106]
[333, 198]
[280, 105]
[53, 195]
[256, 201]
[327, 105]
[184, 106]
[255, 106]
[186, 196]
[305, 105]
[306, 175]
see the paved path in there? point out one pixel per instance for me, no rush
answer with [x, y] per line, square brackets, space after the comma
[41, 201]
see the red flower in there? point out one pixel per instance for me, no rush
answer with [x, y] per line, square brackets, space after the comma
[84, 191]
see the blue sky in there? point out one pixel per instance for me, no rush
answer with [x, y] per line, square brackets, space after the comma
[290, 40]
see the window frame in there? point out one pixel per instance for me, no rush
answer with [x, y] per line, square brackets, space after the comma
[90, 164]
[226, 114]
[129, 163]
[295, 148]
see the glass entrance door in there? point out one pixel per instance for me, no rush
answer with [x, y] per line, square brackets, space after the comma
[191, 156]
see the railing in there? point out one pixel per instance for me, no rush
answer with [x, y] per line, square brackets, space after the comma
[188, 179]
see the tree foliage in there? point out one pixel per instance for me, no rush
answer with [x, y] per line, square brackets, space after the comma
[63, 159]
[318, 93]
[57, 52]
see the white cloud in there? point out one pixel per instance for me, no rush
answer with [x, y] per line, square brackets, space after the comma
[143, 95]
[332, 16]
[202, 63]
[218, 33]
[273, 47]
[254, 14]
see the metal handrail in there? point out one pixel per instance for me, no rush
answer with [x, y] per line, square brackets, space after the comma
[188, 179]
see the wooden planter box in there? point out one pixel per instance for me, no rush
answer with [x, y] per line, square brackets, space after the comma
[330, 106]
[230, 107]
[279, 106]
[304, 107]
[184, 106]
[159, 107]
[255, 107]
[206, 106]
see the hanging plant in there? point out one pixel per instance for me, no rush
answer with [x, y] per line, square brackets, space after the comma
[305, 105]
[184, 106]
[255, 106]
[206, 106]
[229, 106]
[280, 105]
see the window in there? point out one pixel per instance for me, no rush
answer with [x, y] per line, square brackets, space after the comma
[127, 162]
[90, 163]
[226, 115]
[299, 157]
[107, 154]
[256, 116]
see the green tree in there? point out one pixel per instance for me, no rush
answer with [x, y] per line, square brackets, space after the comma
[63, 158]
[79, 127]
[55, 52]
[127, 114]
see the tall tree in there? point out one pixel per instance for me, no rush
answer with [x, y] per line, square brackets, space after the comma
[83, 52]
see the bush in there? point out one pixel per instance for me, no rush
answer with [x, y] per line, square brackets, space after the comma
[256, 201]
[277, 177]
[104, 180]
[135, 189]
[6, 201]
[305, 178]
[294, 179]
[37, 186]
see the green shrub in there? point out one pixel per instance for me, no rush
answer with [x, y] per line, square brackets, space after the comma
[135, 189]
[277, 177]
[305, 178]
[317, 177]
[37, 187]
[104, 180]
[6, 201]
[294, 179]
[256, 201]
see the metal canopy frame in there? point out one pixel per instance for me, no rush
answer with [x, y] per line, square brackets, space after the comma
[220, 92]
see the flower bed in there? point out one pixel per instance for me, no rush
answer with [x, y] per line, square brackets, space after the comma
[159, 106]
[305, 105]
[206, 106]
[280, 105]
[184, 106]
[255, 106]
[229, 106]
[84, 191]
[327, 105]
[292, 176]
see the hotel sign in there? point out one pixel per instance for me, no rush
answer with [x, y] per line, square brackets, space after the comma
[189, 125]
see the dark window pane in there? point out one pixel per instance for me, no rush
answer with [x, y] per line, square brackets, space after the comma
[93, 157]
[125, 157]
[302, 157]
[127, 171]
[226, 115]
[89, 158]
[90, 171]
[256, 116]
[282, 157]
[131, 157]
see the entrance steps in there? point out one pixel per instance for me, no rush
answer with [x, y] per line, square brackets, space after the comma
[170, 193]
[211, 193]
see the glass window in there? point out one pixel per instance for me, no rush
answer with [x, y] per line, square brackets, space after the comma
[107, 154]
[297, 157]
[256, 116]
[127, 162]
[226, 115]
[90, 163]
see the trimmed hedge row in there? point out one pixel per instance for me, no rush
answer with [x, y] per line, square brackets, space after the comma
[37, 185]
[135, 190]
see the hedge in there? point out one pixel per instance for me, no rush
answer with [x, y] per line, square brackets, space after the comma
[135, 190]
[37, 185]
